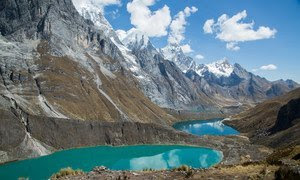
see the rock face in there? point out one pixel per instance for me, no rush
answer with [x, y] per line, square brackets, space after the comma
[273, 123]
[288, 116]
[161, 80]
[55, 63]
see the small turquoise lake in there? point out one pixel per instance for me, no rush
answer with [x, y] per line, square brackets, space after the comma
[206, 127]
[115, 158]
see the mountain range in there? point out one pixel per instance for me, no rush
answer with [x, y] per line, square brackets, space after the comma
[58, 60]
[66, 74]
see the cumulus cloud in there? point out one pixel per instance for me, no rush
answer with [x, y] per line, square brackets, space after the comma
[177, 27]
[186, 49]
[233, 30]
[270, 67]
[199, 56]
[155, 23]
[99, 4]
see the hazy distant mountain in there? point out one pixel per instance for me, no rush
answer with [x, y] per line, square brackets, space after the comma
[228, 84]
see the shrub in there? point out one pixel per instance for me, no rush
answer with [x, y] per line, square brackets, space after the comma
[183, 168]
[66, 172]
[148, 169]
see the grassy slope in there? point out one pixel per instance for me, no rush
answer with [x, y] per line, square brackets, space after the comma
[256, 122]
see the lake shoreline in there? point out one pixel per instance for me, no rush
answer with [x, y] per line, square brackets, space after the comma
[120, 158]
[59, 134]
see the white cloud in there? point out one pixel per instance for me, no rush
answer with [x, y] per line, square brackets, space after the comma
[177, 27]
[199, 56]
[207, 28]
[233, 30]
[97, 4]
[232, 46]
[186, 49]
[269, 67]
[154, 24]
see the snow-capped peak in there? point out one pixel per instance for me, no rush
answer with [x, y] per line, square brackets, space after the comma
[92, 11]
[220, 68]
[171, 51]
[133, 38]
[89, 10]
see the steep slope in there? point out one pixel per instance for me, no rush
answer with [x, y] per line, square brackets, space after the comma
[174, 53]
[162, 81]
[275, 122]
[55, 63]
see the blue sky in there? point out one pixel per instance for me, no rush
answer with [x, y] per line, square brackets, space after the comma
[281, 50]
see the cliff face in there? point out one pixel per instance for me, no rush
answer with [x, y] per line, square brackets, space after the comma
[43, 135]
[273, 123]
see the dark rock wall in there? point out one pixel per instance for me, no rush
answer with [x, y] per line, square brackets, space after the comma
[287, 116]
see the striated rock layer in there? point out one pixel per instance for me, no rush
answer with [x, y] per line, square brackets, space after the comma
[44, 135]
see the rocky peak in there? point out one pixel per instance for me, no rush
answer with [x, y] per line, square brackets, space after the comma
[290, 83]
[173, 52]
[220, 68]
[134, 39]
[89, 10]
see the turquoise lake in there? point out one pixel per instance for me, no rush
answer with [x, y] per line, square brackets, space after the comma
[206, 127]
[116, 158]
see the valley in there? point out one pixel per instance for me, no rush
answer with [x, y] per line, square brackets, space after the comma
[73, 88]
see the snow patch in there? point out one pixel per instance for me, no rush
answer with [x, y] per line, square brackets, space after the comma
[133, 38]
[220, 68]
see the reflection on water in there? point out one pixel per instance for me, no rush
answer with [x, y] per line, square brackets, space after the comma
[157, 161]
[115, 158]
[218, 125]
[210, 127]
[195, 157]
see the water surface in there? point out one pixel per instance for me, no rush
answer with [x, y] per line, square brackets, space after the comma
[206, 127]
[115, 158]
